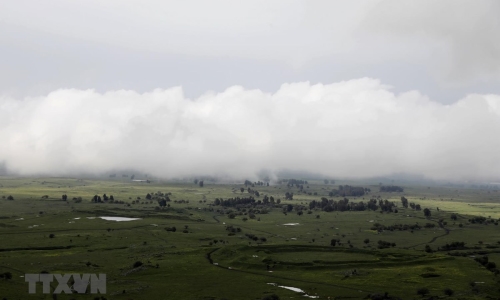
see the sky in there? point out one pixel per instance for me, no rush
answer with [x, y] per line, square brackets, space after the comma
[179, 88]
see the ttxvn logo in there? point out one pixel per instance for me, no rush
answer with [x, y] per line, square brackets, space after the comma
[79, 283]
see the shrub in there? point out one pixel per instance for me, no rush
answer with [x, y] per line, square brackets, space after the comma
[137, 264]
[448, 292]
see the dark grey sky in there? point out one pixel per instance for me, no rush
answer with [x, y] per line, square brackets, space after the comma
[90, 78]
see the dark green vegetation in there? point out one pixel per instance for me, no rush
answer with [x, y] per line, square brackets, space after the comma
[200, 240]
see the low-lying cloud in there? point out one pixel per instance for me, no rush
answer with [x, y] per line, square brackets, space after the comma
[356, 128]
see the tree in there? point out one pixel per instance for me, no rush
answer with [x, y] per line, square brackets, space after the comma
[242, 189]
[404, 201]
[196, 181]
[333, 242]
[200, 183]
[366, 241]
[10, 197]
[454, 217]
[427, 212]
[64, 197]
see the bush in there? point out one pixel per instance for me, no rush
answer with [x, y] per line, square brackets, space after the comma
[448, 292]
[52, 235]
[137, 264]
[271, 297]
[423, 291]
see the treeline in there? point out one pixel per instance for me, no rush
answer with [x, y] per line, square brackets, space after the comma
[400, 227]
[292, 182]
[391, 188]
[245, 201]
[258, 183]
[344, 205]
[348, 191]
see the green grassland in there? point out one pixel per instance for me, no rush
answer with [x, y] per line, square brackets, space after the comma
[201, 260]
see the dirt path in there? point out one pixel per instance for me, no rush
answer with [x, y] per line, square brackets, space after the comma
[447, 232]
[210, 260]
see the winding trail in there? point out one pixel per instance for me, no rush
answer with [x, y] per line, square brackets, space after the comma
[447, 232]
[210, 260]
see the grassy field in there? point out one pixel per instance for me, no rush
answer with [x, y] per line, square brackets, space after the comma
[201, 260]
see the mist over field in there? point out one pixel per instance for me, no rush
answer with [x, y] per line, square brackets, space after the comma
[355, 128]
[181, 88]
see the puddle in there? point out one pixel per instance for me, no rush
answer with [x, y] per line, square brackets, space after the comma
[291, 224]
[119, 219]
[77, 218]
[20, 219]
[297, 290]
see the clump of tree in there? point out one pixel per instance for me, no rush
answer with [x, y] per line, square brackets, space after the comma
[255, 238]
[354, 191]
[422, 291]
[481, 220]
[454, 246]
[6, 275]
[10, 197]
[484, 261]
[396, 227]
[383, 244]
[171, 229]
[232, 230]
[391, 189]
[344, 205]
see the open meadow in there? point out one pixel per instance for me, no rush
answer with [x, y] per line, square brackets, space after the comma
[193, 242]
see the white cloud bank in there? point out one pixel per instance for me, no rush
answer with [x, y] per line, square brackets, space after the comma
[356, 128]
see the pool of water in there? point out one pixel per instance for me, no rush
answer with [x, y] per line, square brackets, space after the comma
[119, 219]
